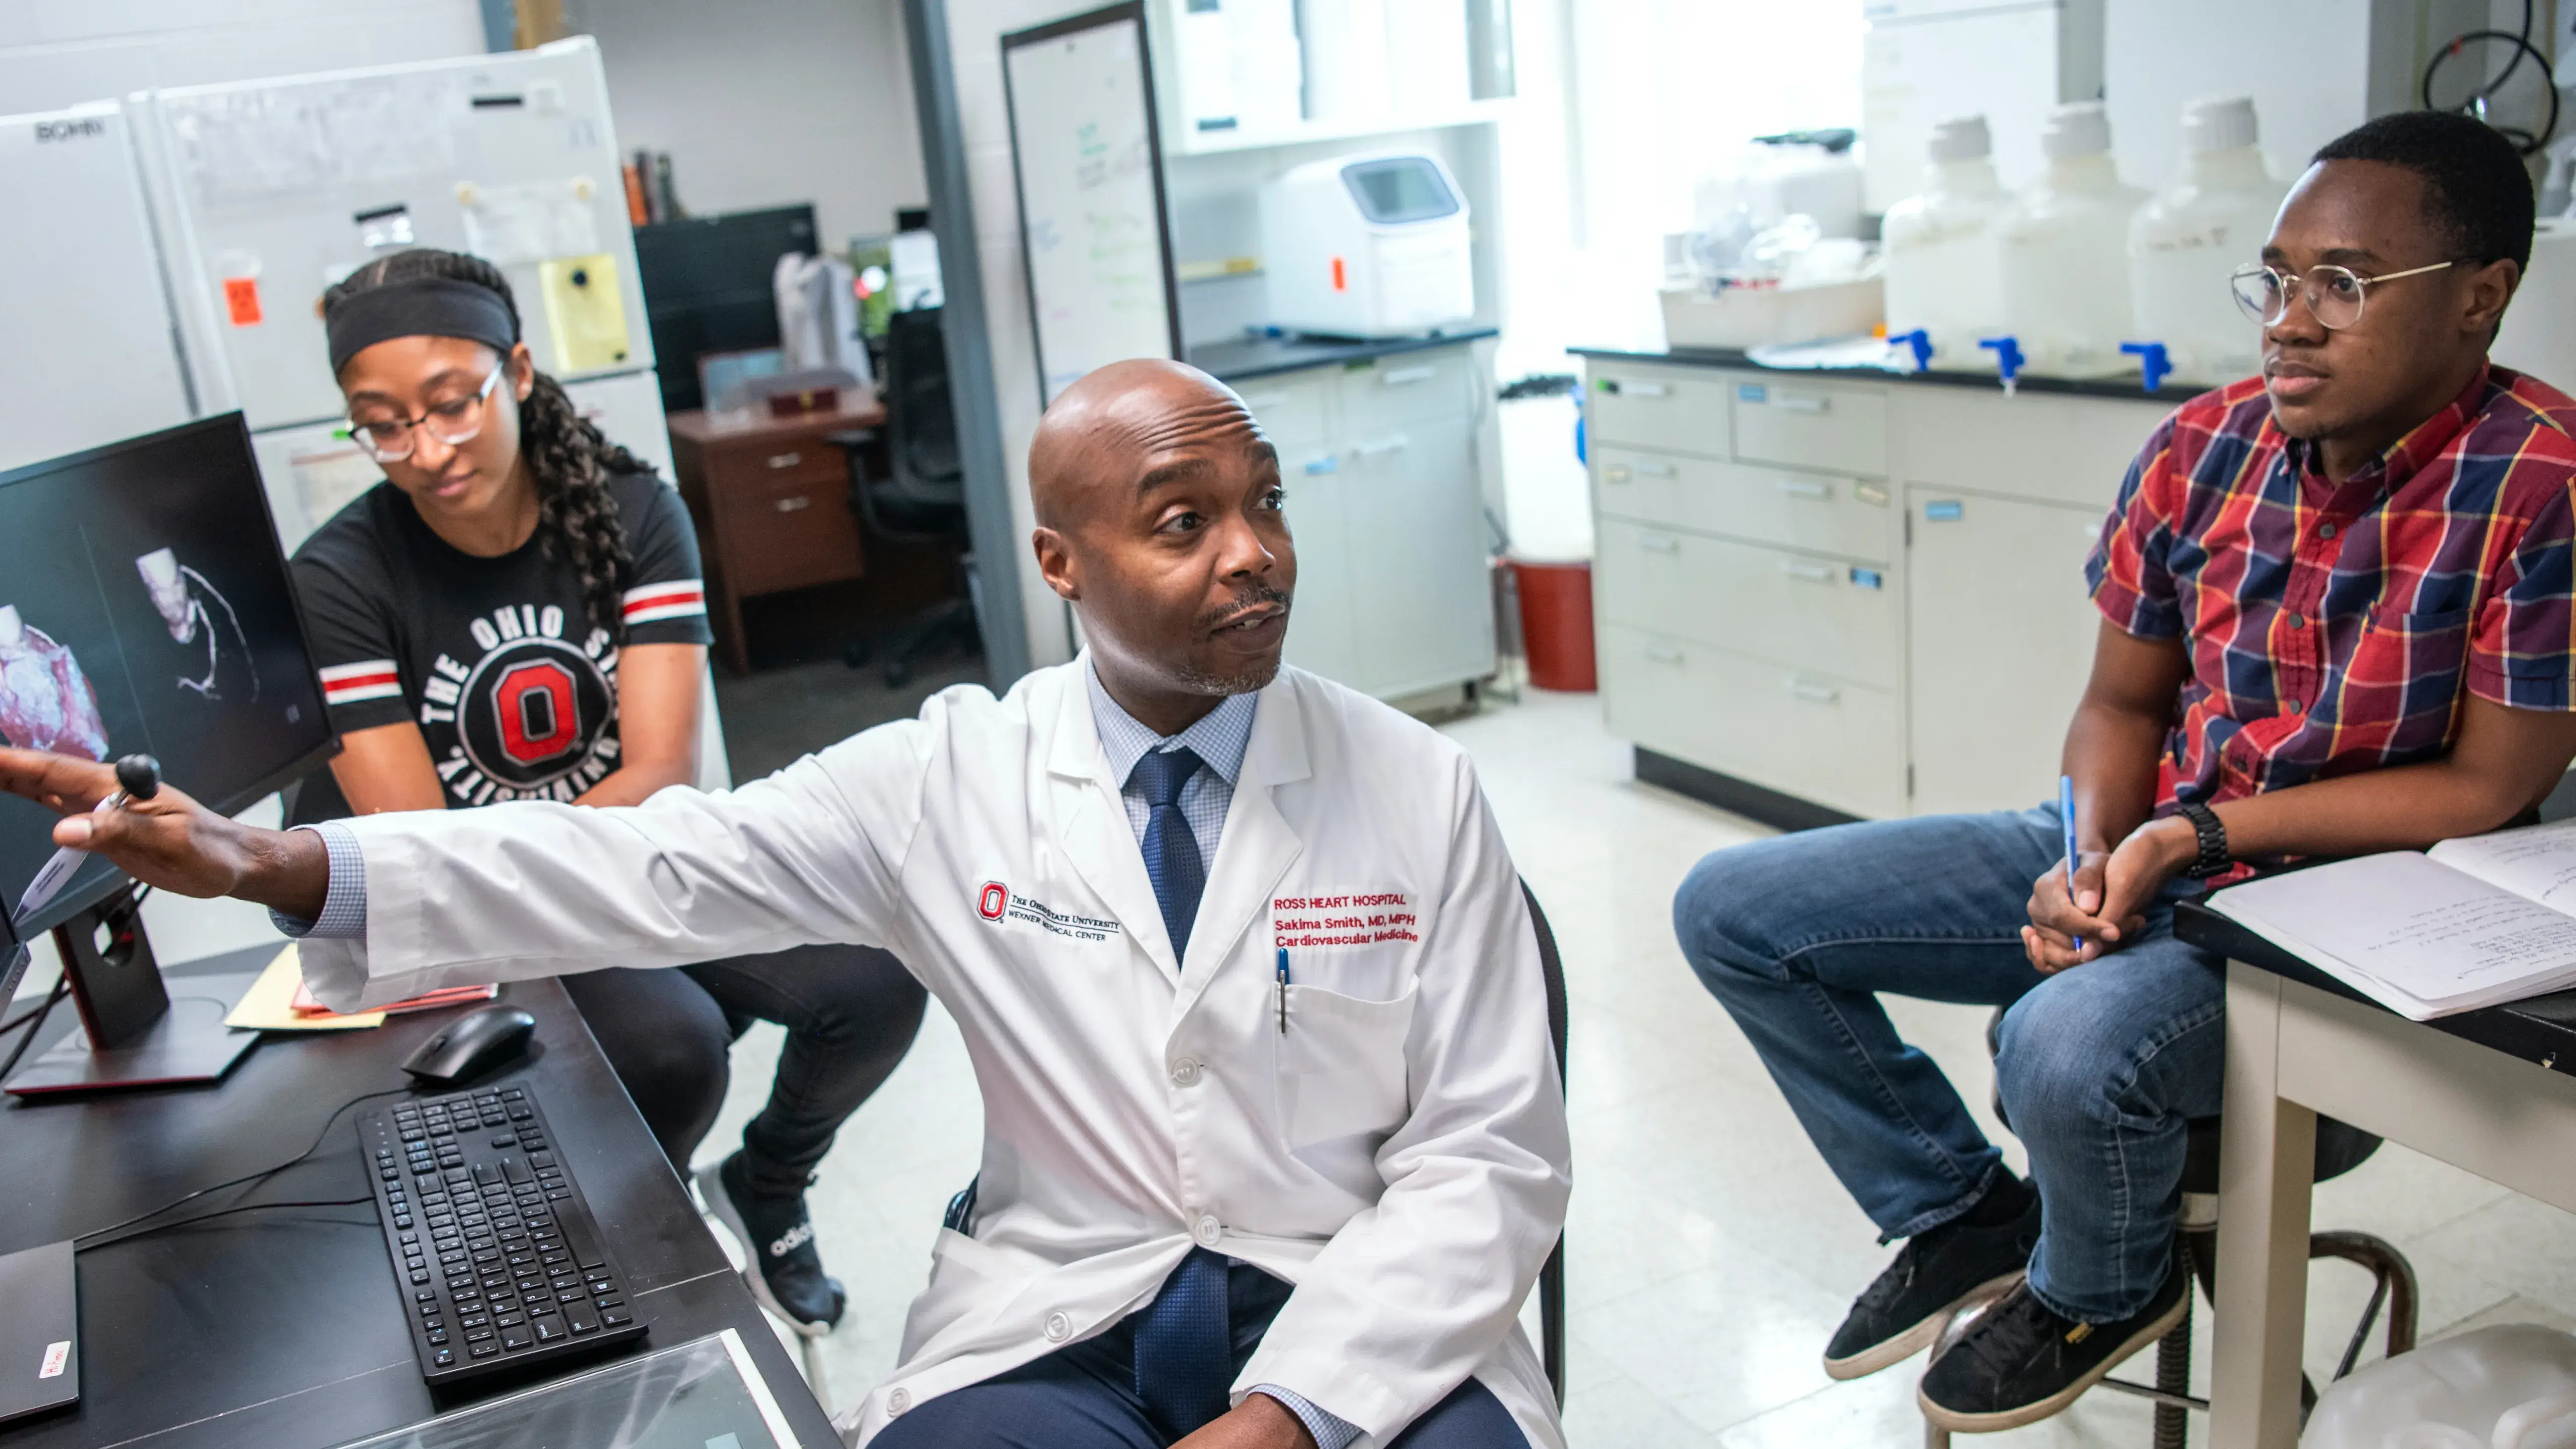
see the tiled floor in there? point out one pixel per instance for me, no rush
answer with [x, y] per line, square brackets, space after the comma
[1710, 1253]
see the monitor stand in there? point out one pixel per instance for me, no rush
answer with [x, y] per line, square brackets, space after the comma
[133, 1033]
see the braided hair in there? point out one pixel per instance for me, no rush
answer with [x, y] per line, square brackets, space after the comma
[568, 458]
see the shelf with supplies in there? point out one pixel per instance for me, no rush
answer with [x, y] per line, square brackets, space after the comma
[1829, 595]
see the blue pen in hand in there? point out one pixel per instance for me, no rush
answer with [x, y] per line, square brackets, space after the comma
[1283, 991]
[2065, 817]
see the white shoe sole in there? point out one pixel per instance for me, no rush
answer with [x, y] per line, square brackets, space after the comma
[1888, 1352]
[2055, 1403]
[711, 1187]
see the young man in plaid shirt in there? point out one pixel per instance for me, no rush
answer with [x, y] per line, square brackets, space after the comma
[2336, 619]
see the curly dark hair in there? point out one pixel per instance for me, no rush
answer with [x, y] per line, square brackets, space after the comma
[569, 458]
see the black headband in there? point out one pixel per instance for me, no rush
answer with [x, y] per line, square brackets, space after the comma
[421, 307]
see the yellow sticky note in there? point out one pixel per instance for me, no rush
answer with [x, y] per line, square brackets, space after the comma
[269, 1005]
[585, 311]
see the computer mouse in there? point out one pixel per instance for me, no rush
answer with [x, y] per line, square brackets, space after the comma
[472, 1044]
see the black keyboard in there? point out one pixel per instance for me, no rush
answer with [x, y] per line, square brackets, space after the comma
[500, 1263]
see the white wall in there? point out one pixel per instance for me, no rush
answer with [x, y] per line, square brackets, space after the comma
[796, 100]
[54, 54]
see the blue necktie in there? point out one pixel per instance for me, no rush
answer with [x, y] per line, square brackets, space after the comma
[1184, 1339]
[1171, 852]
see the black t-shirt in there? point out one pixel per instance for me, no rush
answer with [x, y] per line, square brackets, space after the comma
[494, 658]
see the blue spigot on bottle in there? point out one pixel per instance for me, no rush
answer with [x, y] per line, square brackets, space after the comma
[1918, 342]
[2154, 364]
[2008, 358]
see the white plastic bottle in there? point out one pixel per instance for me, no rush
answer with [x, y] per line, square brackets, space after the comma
[2184, 244]
[2064, 243]
[1942, 275]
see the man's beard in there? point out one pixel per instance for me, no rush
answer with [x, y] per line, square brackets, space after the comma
[1258, 676]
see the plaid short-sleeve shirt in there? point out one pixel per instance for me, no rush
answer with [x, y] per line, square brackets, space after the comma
[2335, 628]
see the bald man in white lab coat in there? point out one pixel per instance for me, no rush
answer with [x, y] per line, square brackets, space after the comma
[1274, 1140]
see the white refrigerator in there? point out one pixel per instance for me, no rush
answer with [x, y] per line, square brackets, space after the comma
[272, 190]
[92, 352]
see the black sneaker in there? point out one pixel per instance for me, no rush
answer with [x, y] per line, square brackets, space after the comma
[1934, 1272]
[2019, 1362]
[788, 1276]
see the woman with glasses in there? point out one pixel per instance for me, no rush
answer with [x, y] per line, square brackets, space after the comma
[516, 613]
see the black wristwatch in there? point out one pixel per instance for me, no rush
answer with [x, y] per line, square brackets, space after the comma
[2214, 859]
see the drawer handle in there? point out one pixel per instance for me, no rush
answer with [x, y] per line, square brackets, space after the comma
[1396, 444]
[1812, 573]
[1805, 488]
[1663, 654]
[1659, 543]
[797, 504]
[1407, 376]
[1802, 402]
[1659, 470]
[1814, 693]
[1616, 473]
[785, 460]
[1627, 388]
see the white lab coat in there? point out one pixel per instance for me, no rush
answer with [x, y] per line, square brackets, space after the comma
[1399, 1153]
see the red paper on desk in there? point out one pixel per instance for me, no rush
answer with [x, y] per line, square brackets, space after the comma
[305, 1005]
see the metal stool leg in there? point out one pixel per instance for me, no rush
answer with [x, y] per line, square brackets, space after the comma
[2173, 1376]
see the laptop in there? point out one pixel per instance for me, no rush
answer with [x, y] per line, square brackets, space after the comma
[40, 1334]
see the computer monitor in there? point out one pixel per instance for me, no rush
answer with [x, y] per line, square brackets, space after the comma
[708, 288]
[145, 608]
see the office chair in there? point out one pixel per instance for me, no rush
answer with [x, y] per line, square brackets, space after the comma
[2340, 1148]
[1551, 1278]
[922, 499]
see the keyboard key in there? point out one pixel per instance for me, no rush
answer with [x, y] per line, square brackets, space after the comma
[581, 1317]
[444, 1358]
[437, 1336]
[616, 1317]
[549, 1331]
[517, 1338]
[486, 1350]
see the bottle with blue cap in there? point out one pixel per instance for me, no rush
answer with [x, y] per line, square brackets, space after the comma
[1942, 278]
[2064, 245]
[2185, 243]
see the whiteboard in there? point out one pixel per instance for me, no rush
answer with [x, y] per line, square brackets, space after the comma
[1094, 236]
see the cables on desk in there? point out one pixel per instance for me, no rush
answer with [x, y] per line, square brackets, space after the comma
[248, 1207]
[34, 1017]
[83, 1243]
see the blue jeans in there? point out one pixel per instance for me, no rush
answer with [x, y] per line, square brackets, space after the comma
[2099, 1067]
[1083, 1396]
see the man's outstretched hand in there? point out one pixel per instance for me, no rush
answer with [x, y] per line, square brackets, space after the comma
[171, 842]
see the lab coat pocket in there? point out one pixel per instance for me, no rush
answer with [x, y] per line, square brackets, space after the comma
[1342, 1065]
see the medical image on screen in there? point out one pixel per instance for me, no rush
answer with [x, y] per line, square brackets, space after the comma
[46, 703]
[200, 616]
[145, 608]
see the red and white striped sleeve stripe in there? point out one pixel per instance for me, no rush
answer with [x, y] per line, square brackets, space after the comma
[355, 683]
[677, 599]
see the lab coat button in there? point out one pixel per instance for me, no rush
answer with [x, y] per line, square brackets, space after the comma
[898, 1401]
[1185, 1073]
[1207, 1230]
[1058, 1328]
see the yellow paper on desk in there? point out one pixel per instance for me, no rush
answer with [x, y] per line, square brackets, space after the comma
[269, 1005]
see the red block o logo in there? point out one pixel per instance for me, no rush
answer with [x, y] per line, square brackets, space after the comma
[540, 715]
[996, 898]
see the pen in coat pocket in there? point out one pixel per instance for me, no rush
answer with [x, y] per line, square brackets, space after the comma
[1283, 991]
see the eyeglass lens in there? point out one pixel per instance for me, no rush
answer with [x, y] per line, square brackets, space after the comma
[2333, 294]
[454, 423]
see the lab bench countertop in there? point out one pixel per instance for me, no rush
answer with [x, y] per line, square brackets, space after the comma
[1242, 359]
[2170, 395]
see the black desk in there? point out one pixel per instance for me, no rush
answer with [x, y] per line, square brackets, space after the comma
[285, 1329]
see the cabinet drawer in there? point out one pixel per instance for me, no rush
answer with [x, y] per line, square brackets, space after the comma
[1671, 409]
[2041, 446]
[1843, 429]
[1390, 392]
[1293, 409]
[811, 459]
[1851, 517]
[1792, 609]
[788, 530]
[1812, 735]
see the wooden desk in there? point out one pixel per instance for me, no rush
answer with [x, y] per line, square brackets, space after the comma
[771, 501]
[2492, 1092]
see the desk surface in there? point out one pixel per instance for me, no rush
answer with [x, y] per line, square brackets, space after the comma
[2541, 1030]
[859, 409]
[285, 1329]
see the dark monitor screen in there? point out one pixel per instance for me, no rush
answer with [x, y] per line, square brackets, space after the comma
[145, 608]
[708, 288]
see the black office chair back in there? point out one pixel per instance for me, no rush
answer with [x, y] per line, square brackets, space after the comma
[921, 415]
[1551, 1277]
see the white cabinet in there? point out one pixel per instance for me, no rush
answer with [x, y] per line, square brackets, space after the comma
[2002, 639]
[1393, 597]
[1865, 594]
